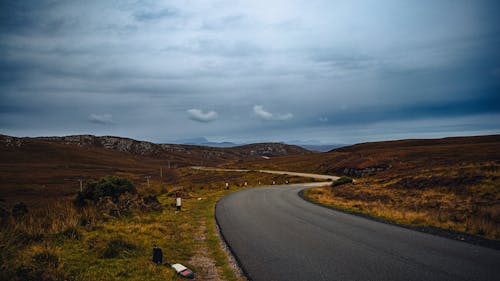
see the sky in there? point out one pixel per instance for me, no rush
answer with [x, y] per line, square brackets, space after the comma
[250, 71]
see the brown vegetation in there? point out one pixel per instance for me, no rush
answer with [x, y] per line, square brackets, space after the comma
[53, 239]
[450, 183]
[31, 168]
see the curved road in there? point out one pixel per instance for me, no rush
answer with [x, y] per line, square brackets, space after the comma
[298, 174]
[276, 235]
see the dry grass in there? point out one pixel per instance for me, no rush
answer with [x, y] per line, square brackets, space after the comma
[472, 209]
[49, 217]
[83, 244]
[451, 183]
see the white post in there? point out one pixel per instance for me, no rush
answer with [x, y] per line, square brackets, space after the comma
[178, 200]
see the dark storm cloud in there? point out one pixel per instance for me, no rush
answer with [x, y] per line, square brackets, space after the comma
[72, 66]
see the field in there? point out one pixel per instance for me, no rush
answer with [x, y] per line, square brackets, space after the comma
[34, 168]
[54, 240]
[89, 244]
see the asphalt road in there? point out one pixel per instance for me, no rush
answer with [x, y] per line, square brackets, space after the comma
[306, 175]
[276, 235]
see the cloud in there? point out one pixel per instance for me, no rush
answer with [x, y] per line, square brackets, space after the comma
[266, 115]
[154, 15]
[144, 62]
[200, 116]
[323, 119]
[103, 119]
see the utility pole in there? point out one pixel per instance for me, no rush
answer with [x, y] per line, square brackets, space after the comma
[147, 178]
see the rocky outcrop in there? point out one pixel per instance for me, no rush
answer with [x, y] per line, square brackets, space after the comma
[146, 148]
[8, 141]
[109, 142]
[270, 149]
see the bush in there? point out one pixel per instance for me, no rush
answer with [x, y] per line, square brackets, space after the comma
[19, 210]
[118, 248]
[109, 186]
[71, 233]
[4, 212]
[44, 266]
[45, 260]
[342, 180]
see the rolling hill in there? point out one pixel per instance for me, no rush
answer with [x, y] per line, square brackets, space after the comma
[449, 183]
[52, 166]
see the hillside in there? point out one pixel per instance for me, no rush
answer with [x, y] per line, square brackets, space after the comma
[52, 166]
[450, 183]
[189, 152]
[375, 157]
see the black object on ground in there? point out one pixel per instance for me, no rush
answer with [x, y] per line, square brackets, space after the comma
[157, 255]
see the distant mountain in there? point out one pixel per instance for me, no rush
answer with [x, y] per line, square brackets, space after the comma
[205, 142]
[312, 145]
[321, 147]
[316, 145]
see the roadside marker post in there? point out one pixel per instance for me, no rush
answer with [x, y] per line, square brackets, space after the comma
[178, 200]
[274, 182]
[245, 184]
[227, 185]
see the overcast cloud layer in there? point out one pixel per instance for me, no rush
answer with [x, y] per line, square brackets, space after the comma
[331, 71]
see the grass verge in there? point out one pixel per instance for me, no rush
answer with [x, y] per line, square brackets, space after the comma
[422, 221]
[67, 244]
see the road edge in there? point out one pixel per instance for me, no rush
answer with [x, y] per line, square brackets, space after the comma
[228, 249]
[454, 235]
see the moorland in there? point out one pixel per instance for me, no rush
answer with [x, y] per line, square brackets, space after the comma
[450, 184]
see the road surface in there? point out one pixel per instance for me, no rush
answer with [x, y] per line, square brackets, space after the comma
[276, 235]
[306, 175]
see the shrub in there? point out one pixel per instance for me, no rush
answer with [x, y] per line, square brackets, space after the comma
[109, 186]
[19, 210]
[151, 203]
[4, 212]
[118, 248]
[71, 233]
[45, 260]
[44, 266]
[342, 180]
